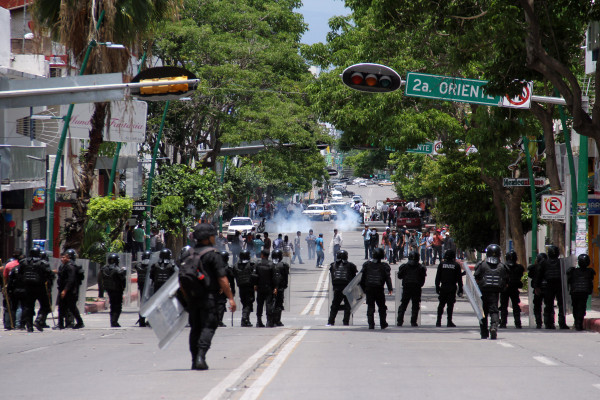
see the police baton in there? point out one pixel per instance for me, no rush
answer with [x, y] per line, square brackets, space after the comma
[10, 317]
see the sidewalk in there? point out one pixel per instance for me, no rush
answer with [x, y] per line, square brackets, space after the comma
[102, 304]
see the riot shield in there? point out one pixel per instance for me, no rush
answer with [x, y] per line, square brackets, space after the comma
[530, 299]
[472, 291]
[398, 300]
[148, 287]
[354, 293]
[54, 264]
[165, 313]
[286, 295]
[565, 264]
[125, 262]
[85, 264]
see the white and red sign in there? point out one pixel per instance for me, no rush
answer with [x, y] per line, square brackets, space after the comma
[553, 207]
[437, 147]
[521, 101]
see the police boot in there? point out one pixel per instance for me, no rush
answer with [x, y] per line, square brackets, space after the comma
[549, 322]
[346, 320]
[450, 324]
[371, 320]
[484, 330]
[382, 319]
[517, 320]
[277, 316]
[440, 312]
[199, 362]
[562, 323]
[270, 322]
[38, 325]
[504, 319]
[259, 323]
[400, 319]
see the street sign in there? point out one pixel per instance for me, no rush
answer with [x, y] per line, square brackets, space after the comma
[462, 90]
[507, 182]
[438, 148]
[425, 148]
[553, 207]
[448, 88]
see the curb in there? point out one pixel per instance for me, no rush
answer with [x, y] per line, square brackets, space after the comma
[101, 305]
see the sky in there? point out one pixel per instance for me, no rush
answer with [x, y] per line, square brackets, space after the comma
[316, 15]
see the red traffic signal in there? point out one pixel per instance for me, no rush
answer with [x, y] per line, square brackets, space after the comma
[368, 77]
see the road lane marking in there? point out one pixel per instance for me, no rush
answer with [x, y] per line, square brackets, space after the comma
[545, 360]
[316, 293]
[323, 295]
[34, 350]
[237, 373]
[505, 344]
[256, 389]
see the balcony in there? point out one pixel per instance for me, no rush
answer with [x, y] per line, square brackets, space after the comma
[22, 167]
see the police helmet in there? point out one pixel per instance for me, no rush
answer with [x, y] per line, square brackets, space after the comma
[553, 251]
[449, 255]
[45, 255]
[493, 253]
[277, 254]
[165, 254]
[71, 254]
[583, 260]
[35, 252]
[511, 257]
[225, 256]
[342, 255]
[378, 253]
[113, 258]
[413, 256]
[245, 255]
[541, 258]
[146, 255]
[204, 231]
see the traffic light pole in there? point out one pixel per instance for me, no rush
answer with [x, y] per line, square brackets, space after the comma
[61, 145]
[151, 175]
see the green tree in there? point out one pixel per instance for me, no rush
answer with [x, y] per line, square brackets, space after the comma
[105, 211]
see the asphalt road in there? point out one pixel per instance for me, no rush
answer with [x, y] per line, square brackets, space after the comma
[305, 359]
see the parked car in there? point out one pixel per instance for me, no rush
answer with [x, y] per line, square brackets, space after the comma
[336, 195]
[362, 183]
[242, 224]
[410, 219]
[320, 211]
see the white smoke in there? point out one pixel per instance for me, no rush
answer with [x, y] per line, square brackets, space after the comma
[289, 224]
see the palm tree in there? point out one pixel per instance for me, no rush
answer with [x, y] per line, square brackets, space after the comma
[73, 24]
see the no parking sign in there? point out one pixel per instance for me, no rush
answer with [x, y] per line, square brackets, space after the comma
[553, 207]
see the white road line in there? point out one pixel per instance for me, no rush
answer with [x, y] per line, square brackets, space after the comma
[323, 295]
[269, 373]
[544, 360]
[236, 374]
[505, 344]
[315, 293]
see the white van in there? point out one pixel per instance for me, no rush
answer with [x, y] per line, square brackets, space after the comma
[336, 195]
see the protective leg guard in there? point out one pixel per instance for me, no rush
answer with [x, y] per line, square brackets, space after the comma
[450, 324]
[517, 316]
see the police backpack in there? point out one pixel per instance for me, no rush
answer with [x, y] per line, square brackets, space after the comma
[340, 274]
[31, 272]
[193, 279]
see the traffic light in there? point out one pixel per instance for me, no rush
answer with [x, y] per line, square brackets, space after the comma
[367, 77]
[171, 90]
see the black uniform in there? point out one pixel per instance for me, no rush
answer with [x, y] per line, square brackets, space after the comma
[413, 276]
[202, 308]
[34, 273]
[160, 272]
[69, 282]
[375, 274]
[342, 272]
[282, 271]
[142, 269]
[265, 281]
[581, 285]
[511, 293]
[447, 279]
[550, 280]
[114, 282]
[492, 279]
[243, 271]
[15, 291]
[538, 294]
[221, 298]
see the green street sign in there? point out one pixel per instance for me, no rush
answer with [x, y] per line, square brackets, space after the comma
[425, 148]
[448, 88]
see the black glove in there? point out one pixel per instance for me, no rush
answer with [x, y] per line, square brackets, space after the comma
[437, 290]
[460, 292]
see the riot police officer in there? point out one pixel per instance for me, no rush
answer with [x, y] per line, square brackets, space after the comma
[68, 289]
[221, 297]
[201, 301]
[550, 272]
[413, 276]
[511, 293]
[265, 285]
[581, 285]
[243, 271]
[45, 298]
[34, 275]
[114, 281]
[491, 277]
[142, 269]
[282, 271]
[538, 291]
[342, 272]
[161, 271]
[447, 278]
[375, 274]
